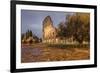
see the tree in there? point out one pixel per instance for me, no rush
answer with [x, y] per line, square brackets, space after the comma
[29, 37]
[36, 39]
[27, 34]
[78, 26]
[30, 33]
[61, 30]
[22, 36]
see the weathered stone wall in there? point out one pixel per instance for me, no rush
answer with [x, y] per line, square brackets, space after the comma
[49, 31]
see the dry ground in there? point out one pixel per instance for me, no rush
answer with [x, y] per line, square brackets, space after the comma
[40, 53]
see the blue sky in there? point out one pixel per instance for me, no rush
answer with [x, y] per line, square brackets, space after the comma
[32, 20]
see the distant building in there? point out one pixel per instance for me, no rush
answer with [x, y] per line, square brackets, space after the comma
[49, 31]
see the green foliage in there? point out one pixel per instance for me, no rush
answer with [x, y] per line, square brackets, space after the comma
[68, 46]
[76, 25]
[61, 30]
[22, 36]
[29, 37]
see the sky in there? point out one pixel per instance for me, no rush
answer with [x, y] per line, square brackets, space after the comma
[33, 20]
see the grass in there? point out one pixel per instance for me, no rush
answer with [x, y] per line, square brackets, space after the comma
[68, 45]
